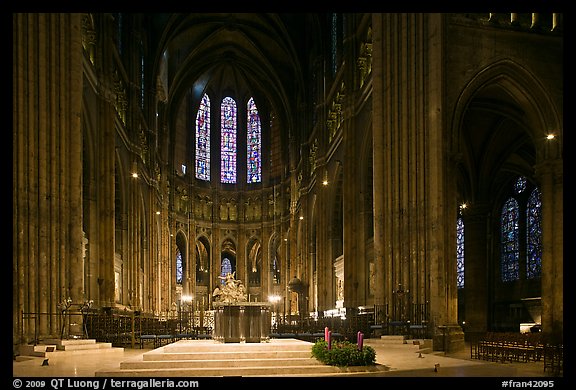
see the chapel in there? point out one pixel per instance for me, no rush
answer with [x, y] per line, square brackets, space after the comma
[394, 173]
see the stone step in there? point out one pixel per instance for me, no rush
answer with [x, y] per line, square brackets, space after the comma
[396, 338]
[223, 355]
[60, 353]
[59, 346]
[218, 363]
[62, 342]
[302, 370]
[84, 347]
[194, 358]
[214, 346]
[418, 345]
[78, 344]
[36, 350]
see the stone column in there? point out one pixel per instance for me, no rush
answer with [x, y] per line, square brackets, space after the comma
[550, 175]
[476, 253]
[216, 262]
[192, 262]
[323, 261]
[265, 285]
[414, 202]
[353, 246]
[47, 174]
[378, 45]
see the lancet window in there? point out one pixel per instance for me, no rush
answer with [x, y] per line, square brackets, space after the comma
[460, 253]
[203, 139]
[254, 144]
[179, 267]
[229, 141]
[520, 233]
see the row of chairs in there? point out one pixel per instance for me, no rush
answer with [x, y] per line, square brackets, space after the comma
[554, 359]
[519, 347]
[507, 347]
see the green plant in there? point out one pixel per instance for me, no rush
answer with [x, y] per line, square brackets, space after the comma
[343, 353]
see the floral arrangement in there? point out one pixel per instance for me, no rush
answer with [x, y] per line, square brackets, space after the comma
[343, 353]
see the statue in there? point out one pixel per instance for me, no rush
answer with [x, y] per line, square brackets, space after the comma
[232, 291]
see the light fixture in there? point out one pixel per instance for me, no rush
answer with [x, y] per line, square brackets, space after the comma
[550, 136]
[135, 170]
[186, 298]
[274, 298]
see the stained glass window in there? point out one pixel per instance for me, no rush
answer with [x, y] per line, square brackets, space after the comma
[509, 241]
[533, 236]
[460, 253]
[203, 139]
[142, 60]
[225, 270]
[254, 144]
[179, 267]
[334, 36]
[520, 185]
[228, 141]
[275, 270]
[119, 32]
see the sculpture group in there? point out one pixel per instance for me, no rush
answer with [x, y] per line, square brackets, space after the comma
[232, 291]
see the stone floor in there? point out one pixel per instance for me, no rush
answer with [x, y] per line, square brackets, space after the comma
[402, 360]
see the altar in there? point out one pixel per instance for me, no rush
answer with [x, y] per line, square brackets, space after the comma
[239, 322]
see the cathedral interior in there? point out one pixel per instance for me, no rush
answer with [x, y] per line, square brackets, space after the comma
[395, 173]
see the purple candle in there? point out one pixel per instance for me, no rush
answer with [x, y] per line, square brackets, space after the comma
[329, 339]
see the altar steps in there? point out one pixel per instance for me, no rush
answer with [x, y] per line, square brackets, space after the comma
[53, 348]
[201, 358]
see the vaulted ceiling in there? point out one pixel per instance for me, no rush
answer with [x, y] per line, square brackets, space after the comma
[260, 55]
[266, 54]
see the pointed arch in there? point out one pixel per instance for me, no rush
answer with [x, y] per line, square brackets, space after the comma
[254, 262]
[275, 261]
[228, 257]
[203, 266]
[180, 258]
[539, 116]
